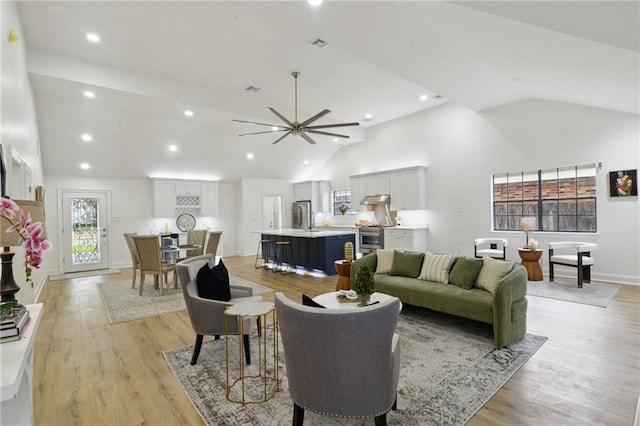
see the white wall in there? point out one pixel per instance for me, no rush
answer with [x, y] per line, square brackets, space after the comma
[462, 149]
[19, 129]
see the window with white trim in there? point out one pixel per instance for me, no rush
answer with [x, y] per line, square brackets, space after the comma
[342, 202]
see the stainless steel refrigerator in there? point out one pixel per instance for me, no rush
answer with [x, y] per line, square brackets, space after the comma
[301, 215]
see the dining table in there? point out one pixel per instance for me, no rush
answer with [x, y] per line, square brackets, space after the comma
[169, 252]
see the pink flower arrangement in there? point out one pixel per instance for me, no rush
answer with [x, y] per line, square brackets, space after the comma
[34, 244]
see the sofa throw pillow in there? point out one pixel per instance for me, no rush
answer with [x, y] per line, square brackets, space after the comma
[385, 260]
[307, 301]
[436, 267]
[491, 273]
[465, 271]
[406, 264]
[213, 283]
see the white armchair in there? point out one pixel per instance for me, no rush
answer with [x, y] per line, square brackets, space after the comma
[574, 254]
[492, 247]
[206, 315]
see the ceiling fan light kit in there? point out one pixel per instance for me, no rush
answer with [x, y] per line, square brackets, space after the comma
[296, 128]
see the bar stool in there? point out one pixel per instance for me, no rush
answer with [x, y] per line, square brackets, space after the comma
[284, 254]
[266, 251]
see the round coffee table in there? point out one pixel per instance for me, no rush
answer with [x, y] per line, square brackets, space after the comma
[331, 301]
[531, 261]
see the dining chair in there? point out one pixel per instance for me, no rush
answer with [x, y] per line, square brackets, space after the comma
[195, 237]
[212, 243]
[135, 260]
[148, 247]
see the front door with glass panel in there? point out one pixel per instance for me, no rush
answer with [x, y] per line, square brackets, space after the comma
[84, 233]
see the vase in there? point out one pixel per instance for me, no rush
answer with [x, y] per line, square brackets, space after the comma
[363, 299]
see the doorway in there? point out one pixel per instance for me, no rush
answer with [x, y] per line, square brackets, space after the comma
[271, 211]
[84, 233]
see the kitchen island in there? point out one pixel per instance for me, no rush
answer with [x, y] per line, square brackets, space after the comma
[315, 249]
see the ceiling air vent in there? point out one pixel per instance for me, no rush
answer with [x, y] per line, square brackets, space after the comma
[252, 89]
[318, 42]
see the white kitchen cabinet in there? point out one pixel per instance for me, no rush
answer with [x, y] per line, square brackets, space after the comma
[357, 192]
[408, 189]
[405, 239]
[164, 199]
[376, 184]
[187, 188]
[209, 199]
[303, 191]
[325, 196]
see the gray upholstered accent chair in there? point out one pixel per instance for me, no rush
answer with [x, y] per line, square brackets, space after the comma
[492, 247]
[574, 254]
[341, 362]
[206, 315]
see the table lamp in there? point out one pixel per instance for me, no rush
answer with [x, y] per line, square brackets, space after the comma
[527, 224]
[8, 285]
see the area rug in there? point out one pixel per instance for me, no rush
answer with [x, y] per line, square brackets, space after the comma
[83, 274]
[125, 304]
[568, 291]
[449, 370]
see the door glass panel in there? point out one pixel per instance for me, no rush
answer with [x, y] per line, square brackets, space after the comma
[85, 239]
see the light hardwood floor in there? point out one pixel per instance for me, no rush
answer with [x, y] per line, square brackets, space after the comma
[88, 372]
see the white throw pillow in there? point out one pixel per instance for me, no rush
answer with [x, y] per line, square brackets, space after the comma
[491, 273]
[385, 260]
[435, 267]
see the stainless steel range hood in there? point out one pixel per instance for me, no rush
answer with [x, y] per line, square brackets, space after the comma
[376, 199]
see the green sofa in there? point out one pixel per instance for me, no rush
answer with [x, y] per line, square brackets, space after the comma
[505, 308]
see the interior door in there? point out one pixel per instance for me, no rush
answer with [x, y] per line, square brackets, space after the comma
[271, 211]
[84, 232]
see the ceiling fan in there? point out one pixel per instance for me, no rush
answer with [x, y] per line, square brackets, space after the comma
[294, 127]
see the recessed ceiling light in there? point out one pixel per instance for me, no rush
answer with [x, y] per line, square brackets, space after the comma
[305, 162]
[92, 37]
[315, 3]
[188, 113]
[250, 156]
[336, 140]
[85, 166]
[173, 148]
[368, 117]
[89, 94]
[275, 129]
[424, 98]
[87, 137]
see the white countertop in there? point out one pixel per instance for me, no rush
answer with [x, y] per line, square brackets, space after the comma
[303, 233]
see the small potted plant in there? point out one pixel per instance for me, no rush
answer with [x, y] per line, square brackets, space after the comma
[364, 285]
[343, 209]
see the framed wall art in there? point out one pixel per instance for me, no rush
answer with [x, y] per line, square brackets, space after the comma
[623, 183]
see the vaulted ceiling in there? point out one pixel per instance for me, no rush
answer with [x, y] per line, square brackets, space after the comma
[157, 59]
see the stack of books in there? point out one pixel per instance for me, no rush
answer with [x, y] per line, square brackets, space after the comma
[13, 322]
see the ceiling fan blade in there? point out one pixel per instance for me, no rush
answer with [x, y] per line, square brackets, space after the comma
[255, 122]
[328, 126]
[317, 132]
[307, 138]
[281, 137]
[315, 117]
[277, 114]
[260, 133]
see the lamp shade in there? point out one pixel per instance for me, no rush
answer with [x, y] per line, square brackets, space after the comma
[528, 223]
[35, 209]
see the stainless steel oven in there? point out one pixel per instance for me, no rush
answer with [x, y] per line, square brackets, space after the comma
[371, 238]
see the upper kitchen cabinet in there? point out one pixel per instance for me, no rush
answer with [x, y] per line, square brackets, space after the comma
[357, 191]
[408, 189]
[376, 184]
[164, 198]
[318, 192]
[173, 197]
[188, 188]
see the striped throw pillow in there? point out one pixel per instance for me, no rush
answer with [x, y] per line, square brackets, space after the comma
[435, 267]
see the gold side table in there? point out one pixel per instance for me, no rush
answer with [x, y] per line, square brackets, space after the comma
[260, 378]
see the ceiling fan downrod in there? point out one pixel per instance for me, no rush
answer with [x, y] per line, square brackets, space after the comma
[295, 75]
